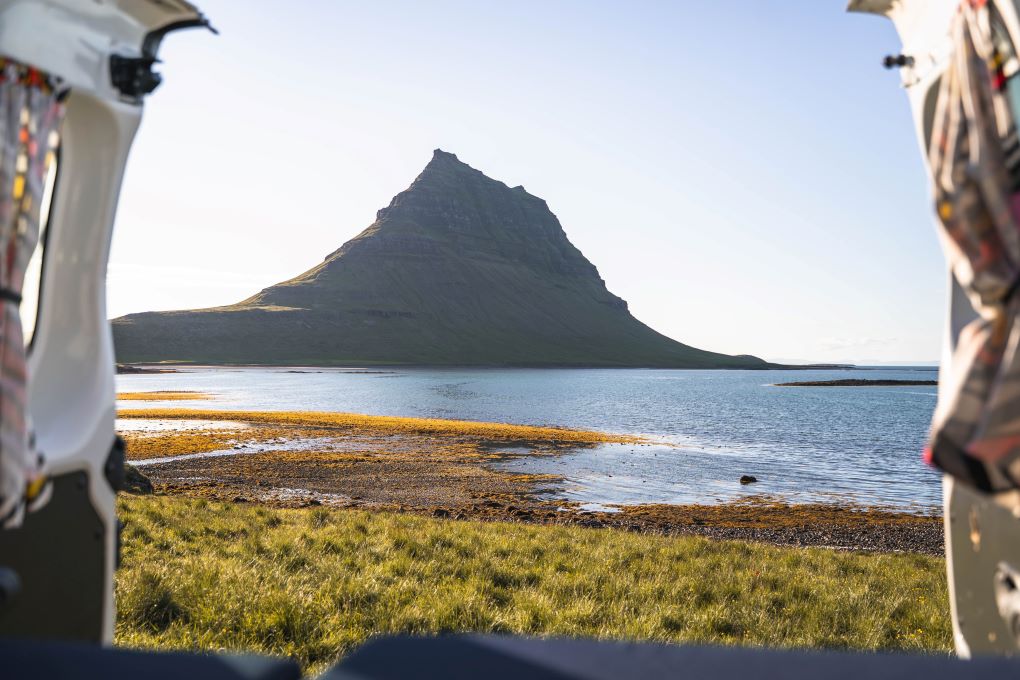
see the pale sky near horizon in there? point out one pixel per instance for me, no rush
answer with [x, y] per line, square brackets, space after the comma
[744, 174]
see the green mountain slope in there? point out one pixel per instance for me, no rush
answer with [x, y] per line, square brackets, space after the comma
[459, 269]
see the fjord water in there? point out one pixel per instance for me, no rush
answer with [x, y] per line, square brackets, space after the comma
[804, 444]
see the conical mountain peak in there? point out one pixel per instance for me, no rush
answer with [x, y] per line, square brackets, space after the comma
[444, 169]
[440, 157]
[447, 167]
[444, 162]
[459, 268]
[451, 205]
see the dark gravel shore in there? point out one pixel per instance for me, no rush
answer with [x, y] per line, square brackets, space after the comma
[924, 538]
[833, 527]
[824, 526]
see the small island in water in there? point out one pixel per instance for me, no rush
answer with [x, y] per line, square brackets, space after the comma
[857, 382]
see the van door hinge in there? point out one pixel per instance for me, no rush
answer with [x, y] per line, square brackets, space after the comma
[897, 61]
[133, 76]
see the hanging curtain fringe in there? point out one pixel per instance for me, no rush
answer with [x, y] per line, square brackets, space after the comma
[27, 76]
[973, 157]
[30, 115]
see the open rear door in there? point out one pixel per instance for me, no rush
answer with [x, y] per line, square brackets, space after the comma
[56, 569]
[982, 526]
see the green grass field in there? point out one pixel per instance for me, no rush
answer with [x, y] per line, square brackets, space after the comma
[313, 584]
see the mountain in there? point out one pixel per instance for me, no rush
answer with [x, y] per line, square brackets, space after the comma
[459, 269]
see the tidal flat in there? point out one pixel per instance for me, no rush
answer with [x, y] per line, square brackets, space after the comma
[454, 469]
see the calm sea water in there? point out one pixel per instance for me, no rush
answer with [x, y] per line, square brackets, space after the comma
[859, 444]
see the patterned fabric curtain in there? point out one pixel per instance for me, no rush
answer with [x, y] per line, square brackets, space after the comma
[30, 116]
[975, 162]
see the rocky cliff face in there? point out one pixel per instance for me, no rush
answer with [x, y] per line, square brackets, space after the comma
[459, 269]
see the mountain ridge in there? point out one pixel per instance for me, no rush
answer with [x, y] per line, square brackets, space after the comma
[458, 269]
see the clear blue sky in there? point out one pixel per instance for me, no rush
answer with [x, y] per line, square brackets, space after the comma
[745, 174]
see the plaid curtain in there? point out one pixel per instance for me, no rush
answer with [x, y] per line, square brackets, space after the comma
[975, 162]
[30, 115]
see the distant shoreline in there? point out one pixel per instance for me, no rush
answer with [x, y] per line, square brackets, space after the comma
[136, 369]
[175, 367]
[858, 383]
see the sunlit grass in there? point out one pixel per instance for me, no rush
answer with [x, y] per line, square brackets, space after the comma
[163, 395]
[313, 584]
[389, 424]
[160, 444]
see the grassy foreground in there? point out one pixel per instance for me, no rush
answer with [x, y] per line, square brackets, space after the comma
[314, 583]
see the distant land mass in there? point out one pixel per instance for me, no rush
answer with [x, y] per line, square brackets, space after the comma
[459, 269]
[852, 382]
